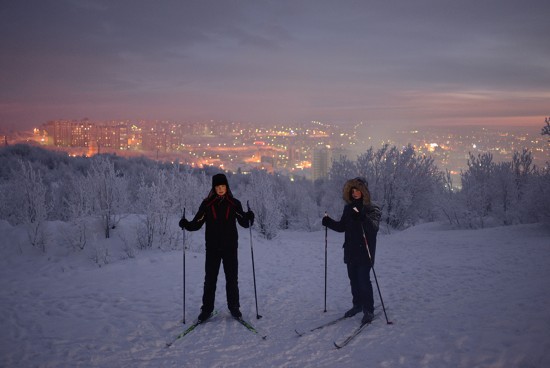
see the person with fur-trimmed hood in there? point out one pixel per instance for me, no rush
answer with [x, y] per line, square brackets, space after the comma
[220, 211]
[359, 222]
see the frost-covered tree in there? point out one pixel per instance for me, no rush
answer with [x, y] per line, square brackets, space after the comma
[503, 194]
[406, 185]
[546, 129]
[537, 197]
[342, 170]
[187, 187]
[372, 165]
[109, 190]
[190, 187]
[156, 202]
[265, 201]
[150, 205]
[328, 195]
[78, 206]
[402, 183]
[509, 184]
[523, 169]
[476, 186]
[33, 208]
[448, 201]
[299, 208]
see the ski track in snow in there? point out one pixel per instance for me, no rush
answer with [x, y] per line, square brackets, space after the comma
[457, 298]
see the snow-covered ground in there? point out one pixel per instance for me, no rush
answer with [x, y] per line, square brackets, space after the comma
[457, 298]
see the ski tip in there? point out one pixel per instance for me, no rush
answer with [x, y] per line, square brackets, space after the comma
[336, 345]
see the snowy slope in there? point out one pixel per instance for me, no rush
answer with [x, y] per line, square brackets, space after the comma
[458, 298]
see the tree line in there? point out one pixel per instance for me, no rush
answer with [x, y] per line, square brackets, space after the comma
[37, 186]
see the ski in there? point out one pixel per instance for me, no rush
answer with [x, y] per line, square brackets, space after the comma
[189, 329]
[353, 334]
[248, 326]
[329, 323]
[350, 337]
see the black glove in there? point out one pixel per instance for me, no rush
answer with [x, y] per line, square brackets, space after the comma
[250, 217]
[325, 221]
[183, 223]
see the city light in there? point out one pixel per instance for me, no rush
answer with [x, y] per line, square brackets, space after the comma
[306, 149]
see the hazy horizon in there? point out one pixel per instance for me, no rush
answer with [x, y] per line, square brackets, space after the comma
[536, 126]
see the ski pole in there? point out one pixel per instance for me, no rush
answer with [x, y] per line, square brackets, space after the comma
[253, 270]
[374, 273]
[184, 246]
[326, 231]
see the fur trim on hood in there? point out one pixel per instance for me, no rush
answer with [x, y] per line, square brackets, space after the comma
[357, 183]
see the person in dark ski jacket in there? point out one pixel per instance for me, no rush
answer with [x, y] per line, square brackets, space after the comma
[220, 211]
[359, 222]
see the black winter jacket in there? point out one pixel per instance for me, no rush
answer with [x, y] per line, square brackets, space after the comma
[350, 223]
[220, 215]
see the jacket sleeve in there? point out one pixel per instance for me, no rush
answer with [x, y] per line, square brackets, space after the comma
[198, 220]
[338, 226]
[372, 218]
[240, 215]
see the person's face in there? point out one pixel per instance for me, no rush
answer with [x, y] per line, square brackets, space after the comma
[221, 189]
[356, 194]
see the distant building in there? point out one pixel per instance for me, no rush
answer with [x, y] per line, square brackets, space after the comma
[67, 133]
[323, 157]
[84, 134]
[112, 137]
[322, 161]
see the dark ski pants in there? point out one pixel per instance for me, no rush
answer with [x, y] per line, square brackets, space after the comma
[231, 270]
[361, 287]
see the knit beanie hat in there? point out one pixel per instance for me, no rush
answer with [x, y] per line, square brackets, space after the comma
[219, 179]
